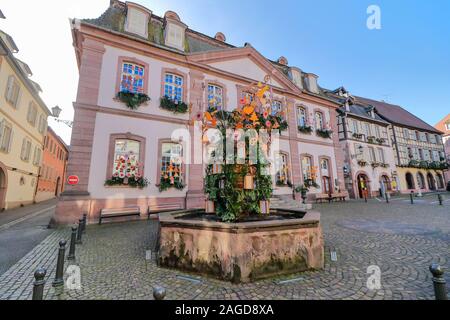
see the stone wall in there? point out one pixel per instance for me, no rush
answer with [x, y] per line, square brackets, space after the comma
[243, 252]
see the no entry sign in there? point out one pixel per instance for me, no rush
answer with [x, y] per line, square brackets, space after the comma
[73, 180]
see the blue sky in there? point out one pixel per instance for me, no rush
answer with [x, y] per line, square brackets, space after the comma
[407, 62]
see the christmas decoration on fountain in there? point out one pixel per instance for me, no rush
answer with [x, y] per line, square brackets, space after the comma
[238, 189]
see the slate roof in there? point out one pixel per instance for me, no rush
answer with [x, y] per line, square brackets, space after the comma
[397, 115]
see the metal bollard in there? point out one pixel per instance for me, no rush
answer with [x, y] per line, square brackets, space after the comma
[159, 293]
[411, 195]
[79, 231]
[73, 239]
[438, 282]
[440, 199]
[387, 197]
[39, 283]
[84, 222]
[59, 278]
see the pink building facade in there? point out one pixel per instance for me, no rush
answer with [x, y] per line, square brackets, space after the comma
[444, 126]
[130, 48]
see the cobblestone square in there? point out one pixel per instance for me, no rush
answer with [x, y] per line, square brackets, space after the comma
[401, 239]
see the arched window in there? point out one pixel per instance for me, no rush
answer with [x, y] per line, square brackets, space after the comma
[132, 78]
[172, 162]
[302, 117]
[319, 120]
[410, 181]
[282, 169]
[215, 97]
[126, 158]
[440, 181]
[421, 181]
[173, 87]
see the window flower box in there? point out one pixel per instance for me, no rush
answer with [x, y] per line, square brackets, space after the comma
[131, 99]
[132, 182]
[168, 182]
[362, 163]
[385, 165]
[174, 106]
[305, 129]
[324, 133]
[371, 139]
[381, 140]
[358, 136]
[375, 164]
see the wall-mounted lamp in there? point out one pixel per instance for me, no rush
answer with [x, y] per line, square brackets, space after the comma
[56, 111]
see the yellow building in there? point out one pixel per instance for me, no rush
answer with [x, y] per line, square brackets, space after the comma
[23, 125]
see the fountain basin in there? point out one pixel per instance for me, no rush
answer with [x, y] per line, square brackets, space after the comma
[286, 242]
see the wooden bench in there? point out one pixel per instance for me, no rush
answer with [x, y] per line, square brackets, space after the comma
[339, 196]
[322, 197]
[119, 212]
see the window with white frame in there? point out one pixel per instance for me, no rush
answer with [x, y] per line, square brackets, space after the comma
[37, 155]
[26, 149]
[378, 131]
[447, 125]
[372, 155]
[171, 161]
[406, 133]
[324, 164]
[173, 87]
[381, 155]
[215, 97]
[367, 129]
[319, 120]
[276, 107]
[126, 158]
[307, 168]
[12, 91]
[32, 113]
[132, 78]
[282, 169]
[42, 123]
[5, 136]
[354, 125]
[359, 151]
[302, 117]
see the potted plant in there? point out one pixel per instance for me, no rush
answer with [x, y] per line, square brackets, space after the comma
[303, 190]
[174, 106]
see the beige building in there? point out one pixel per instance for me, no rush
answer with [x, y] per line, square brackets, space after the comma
[23, 125]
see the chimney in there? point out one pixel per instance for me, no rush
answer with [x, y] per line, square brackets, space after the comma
[220, 37]
[283, 61]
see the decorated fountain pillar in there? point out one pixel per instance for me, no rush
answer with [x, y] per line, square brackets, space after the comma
[237, 236]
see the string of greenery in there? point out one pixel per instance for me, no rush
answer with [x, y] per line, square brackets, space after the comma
[305, 129]
[165, 184]
[140, 183]
[173, 105]
[324, 133]
[132, 100]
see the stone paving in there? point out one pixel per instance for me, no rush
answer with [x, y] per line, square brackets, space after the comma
[401, 239]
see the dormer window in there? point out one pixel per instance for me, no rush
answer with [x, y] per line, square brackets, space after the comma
[137, 20]
[174, 31]
[297, 78]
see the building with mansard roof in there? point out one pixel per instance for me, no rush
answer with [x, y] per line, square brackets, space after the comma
[170, 67]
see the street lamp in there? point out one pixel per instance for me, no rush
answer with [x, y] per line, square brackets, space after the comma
[56, 111]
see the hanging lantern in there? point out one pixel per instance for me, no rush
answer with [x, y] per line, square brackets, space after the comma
[249, 182]
[216, 168]
[210, 206]
[264, 206]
